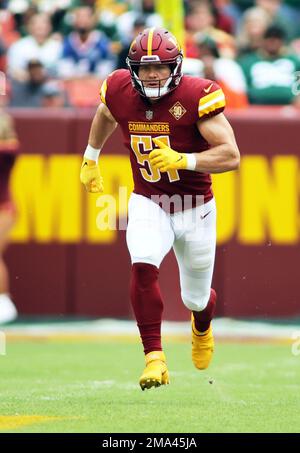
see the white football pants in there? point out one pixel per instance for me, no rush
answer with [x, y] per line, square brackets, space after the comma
[151, 232]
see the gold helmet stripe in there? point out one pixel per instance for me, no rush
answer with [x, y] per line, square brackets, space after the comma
[150, 40]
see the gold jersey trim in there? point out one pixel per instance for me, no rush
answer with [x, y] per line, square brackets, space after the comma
[211, 102]
[103, 90]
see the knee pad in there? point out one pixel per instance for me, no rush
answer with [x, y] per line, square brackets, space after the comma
[198, 256]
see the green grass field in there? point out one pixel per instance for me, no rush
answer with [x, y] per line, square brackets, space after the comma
[92, 387]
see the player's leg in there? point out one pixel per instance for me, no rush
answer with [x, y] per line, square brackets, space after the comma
[149, 238]
[8, 310]
[195, 253]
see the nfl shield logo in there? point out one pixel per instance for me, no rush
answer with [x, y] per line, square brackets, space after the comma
[149, 114]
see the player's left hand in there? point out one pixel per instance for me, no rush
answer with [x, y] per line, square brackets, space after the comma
[165, 158]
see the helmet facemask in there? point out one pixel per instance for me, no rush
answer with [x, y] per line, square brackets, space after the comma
[164, 85]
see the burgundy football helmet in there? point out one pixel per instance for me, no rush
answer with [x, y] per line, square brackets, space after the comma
[155, 46]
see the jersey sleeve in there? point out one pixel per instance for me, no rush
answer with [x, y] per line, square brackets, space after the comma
[212, 100]
[110, 83]
[103, 91]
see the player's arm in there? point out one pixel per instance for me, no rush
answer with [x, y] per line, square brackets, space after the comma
[224, 154]
[8, 139]
[103, 125]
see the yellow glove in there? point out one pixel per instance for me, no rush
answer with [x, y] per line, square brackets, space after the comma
[90, 176]
[166, 158]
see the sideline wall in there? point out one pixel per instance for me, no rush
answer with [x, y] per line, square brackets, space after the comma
[60, 264]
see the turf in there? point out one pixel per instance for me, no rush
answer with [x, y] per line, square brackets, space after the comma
[93, 388]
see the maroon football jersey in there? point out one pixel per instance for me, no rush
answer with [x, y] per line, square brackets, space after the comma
[173, 119]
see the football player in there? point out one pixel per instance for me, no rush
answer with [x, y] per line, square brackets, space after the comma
[176, 135]
[8, 147]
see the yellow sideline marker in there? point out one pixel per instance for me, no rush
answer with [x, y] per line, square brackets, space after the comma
[17, 421]
[133, 339]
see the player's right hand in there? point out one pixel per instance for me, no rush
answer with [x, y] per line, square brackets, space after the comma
[90, 176]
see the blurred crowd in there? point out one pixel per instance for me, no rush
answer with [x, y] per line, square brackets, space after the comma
[55, 52]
